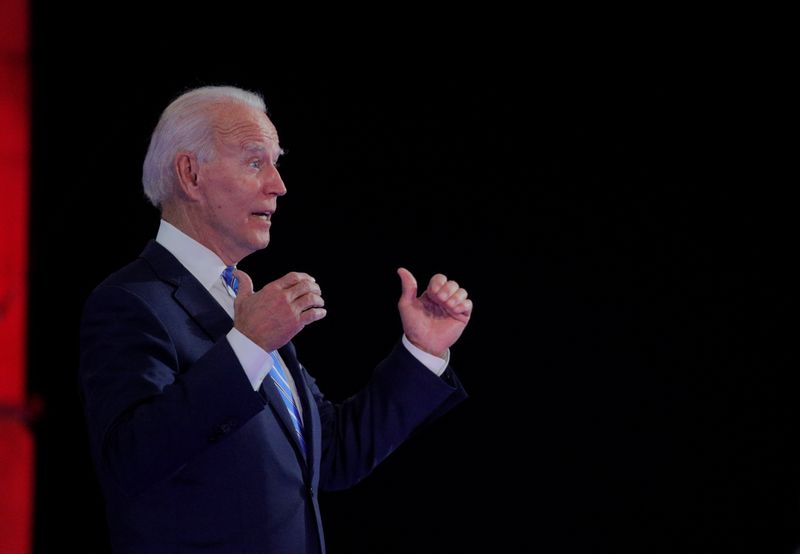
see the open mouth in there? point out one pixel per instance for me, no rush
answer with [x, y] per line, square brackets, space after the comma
[264, 215]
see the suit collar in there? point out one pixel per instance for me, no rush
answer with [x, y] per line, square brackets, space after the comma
[200, 261]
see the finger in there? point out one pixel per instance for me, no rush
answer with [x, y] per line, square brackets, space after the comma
[311, 315]
[456, 298]
[309, 301]
[301, 289]
[292, 278]
[245, 284]
[436, 282]
[463, 318]
[462, 309]
[408, 284]
[446, 291]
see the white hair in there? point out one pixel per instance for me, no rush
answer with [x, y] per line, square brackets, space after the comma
[187, 124]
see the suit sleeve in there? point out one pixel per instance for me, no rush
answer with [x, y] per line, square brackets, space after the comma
[147, 414]
[402, 396]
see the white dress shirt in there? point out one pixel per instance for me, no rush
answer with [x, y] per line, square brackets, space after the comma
[207, 268]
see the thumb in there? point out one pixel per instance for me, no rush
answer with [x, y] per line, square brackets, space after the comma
[408, 283]
[245, 284]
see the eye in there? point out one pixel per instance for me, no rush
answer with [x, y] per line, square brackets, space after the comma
[255, 164]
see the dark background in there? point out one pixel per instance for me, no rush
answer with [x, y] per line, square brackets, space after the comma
[605, 202]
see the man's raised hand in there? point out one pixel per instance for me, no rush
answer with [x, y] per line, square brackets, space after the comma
[277, 312]
[434, 320]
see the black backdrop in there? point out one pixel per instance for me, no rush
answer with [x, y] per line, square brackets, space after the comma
[627, 362]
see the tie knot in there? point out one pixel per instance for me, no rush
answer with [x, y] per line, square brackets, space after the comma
[231, 282]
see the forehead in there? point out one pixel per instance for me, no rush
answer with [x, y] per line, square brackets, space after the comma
[244, 127]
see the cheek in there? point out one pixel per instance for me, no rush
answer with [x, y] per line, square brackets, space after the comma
[230, 197]
[224, 199]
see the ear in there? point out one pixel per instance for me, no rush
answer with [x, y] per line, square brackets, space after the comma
[187, 167]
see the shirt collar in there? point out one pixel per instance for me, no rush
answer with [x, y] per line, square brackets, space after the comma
[201, 262]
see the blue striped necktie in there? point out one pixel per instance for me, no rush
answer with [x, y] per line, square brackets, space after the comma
[276, 373]
[231, 282]
[279, 378]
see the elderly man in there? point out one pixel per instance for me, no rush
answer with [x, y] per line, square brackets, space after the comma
[207, 432]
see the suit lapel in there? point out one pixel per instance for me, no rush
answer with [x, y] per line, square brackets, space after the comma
[189, 293]
[205, 311]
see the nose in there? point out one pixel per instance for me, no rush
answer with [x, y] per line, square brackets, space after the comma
[273, 183]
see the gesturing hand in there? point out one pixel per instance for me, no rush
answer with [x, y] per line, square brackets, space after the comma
[433, 321]
[277, 312]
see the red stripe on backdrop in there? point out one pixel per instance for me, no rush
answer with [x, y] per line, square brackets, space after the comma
[16, 444]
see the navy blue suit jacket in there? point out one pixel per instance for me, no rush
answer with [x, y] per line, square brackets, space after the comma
[189, 457]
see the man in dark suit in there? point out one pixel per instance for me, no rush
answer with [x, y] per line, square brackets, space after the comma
[207, 433]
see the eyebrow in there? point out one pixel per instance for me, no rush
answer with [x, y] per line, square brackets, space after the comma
[260, 148]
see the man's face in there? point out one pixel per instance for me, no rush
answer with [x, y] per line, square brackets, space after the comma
[240, 185]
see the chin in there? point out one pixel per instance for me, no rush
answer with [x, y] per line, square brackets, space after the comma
[253, 244]
[262, 243]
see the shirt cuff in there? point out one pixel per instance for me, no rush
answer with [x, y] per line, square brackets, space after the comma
[436, 364]
[253, 358]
